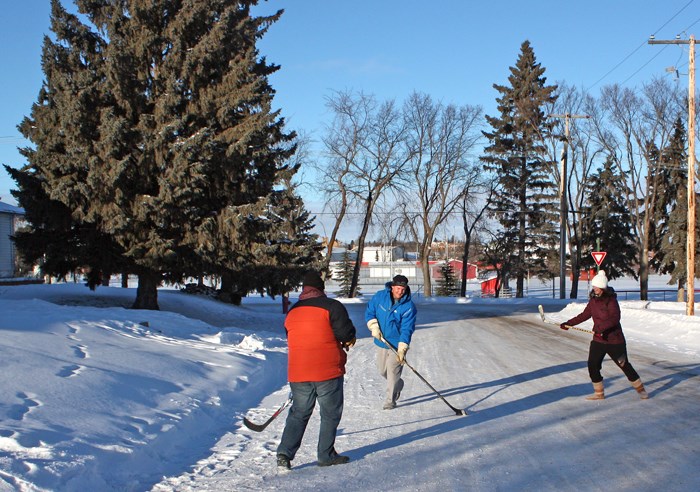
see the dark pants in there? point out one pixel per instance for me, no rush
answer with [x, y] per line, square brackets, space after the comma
[304, 395]
[617, 352]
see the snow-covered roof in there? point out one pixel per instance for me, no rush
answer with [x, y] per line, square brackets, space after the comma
[6, 208]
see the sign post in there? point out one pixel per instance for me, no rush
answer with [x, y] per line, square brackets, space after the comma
[598, 257]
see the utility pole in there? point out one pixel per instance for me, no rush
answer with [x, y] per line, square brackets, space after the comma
[563, 201]
[690, 246]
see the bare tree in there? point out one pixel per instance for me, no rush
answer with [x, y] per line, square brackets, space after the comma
[342, 143]
[630, 127]
[498, 253]
[390, 222]
[367, 142]
[440, 139]
[583, 154]
[472, 207]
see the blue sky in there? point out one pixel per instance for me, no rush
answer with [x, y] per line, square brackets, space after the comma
[453, 50]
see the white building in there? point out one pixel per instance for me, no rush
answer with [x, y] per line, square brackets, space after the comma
[10, 218]
[382, 254]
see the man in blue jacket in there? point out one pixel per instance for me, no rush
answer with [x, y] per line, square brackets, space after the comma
[391, 316]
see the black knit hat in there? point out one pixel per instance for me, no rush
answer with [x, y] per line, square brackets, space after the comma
[400, 280]
[313, 279]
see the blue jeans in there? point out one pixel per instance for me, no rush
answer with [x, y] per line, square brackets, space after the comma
[304, 395]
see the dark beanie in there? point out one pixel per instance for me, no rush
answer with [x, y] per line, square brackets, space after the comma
[313, 279]
[400, 280]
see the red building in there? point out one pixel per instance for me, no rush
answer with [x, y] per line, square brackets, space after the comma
[490, 286]
[435, 266]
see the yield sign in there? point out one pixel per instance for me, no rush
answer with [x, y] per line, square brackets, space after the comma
[598, 256]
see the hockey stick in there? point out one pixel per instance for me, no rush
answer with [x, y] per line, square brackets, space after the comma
[261, 427]
[457, 411]
[545, 320]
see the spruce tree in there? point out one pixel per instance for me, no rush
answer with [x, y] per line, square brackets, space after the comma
[63, 128]
[285, 248]
[607, 221]
[670, 258]
[447, 284]
[155, 126]
[525, 200]
[344, 275]
[55, 242]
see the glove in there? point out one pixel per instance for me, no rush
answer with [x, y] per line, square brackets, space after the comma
[347, 345]
[564, 326]
[401, 352]
[373, 326]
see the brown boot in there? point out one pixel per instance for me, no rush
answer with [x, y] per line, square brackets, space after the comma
[640, 389]
[598, 393]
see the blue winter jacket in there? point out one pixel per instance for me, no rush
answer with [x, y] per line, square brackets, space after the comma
[397, 321]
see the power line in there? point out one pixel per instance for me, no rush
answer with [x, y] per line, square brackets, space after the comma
[640, 47]
[647, 63]
[691, 25]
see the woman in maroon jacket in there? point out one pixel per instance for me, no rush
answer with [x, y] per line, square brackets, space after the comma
[607, 337]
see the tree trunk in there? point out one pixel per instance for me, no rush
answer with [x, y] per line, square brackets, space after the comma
[644, 271]
[644, 280]
[147, 291]
[465, 267]
[125, 280]
[575, 273]
[336, 228]
[425, 268]
[229, 290]
[361, 246]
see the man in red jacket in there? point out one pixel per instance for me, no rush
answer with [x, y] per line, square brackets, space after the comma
[318, 330]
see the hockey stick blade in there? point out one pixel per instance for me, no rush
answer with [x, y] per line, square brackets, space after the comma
[545, 320]
[261, 427]
[457, 411]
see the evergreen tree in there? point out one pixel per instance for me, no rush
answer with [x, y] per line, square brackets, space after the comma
[670, 258]
[447, 284]
[525, 200]
[155, 127]
[664, 186]
[344, 275]
[607, 219]
[63, 128]
[286, 248]
[55, 242]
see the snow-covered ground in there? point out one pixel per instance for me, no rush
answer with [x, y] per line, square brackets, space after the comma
[96, 396]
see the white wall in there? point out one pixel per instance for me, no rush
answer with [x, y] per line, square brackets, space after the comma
[7, 247]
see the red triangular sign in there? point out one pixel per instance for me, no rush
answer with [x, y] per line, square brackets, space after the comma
[598, 256]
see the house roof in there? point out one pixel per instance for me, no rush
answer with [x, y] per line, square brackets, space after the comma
[6, 208]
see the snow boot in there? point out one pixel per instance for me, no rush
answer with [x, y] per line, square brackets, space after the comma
[640, 389]
[598, 392]
[335, 460]
[283, 462]
[389, 405]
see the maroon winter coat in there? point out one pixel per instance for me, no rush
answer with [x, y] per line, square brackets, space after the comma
[605, 312]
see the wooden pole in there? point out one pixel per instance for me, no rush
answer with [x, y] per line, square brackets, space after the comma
[690, 253]
[563, 215]
[690, 245]
[563, 201]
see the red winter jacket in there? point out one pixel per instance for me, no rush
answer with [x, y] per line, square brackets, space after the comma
[316, 326]
[605, 312]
